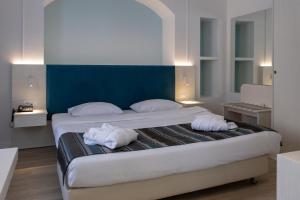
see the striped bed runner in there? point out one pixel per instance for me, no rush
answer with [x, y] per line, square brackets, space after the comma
[71, 145]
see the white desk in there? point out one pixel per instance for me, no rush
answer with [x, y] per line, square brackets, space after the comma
[248, 113]
[8, 158]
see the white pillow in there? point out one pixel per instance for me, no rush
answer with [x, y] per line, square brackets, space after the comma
[96, 108]
[155, 105]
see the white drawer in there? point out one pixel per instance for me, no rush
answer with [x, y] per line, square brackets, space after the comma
[30, 119]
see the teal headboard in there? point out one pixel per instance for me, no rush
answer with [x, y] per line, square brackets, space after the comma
[70, 85]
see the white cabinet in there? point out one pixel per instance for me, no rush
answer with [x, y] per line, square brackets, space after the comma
[30, 119]
[288, 176]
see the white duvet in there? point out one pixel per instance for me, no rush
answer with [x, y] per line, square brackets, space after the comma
[108, 169]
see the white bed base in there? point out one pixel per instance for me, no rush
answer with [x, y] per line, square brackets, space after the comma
[170, 185]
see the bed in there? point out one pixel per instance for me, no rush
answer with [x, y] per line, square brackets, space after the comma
[152, 173]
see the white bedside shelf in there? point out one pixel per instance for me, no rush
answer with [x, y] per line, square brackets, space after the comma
[30, 119]
[190, 103]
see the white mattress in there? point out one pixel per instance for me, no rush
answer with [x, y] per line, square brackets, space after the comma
[109, 169]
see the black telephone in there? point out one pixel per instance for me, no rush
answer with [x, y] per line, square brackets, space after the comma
[27, 107]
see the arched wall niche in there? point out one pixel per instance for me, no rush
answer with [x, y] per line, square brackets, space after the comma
[168, 27]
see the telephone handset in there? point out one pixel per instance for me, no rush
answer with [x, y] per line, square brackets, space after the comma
[27, 107]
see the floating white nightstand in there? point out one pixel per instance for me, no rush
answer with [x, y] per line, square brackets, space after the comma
[190, 103]
[30, 119]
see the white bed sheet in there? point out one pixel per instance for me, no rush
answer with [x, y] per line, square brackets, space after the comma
[109, 169]
[62, 123]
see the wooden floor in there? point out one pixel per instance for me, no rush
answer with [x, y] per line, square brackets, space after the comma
[35, 179]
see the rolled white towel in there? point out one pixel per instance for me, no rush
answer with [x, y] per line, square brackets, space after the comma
[110, 136]
[211, 122]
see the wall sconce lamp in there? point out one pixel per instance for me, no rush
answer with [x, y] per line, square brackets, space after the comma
[30, 81]
[266, 70]
[184, 76]
[185, 80]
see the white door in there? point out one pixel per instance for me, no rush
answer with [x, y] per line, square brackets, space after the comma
[287, 65]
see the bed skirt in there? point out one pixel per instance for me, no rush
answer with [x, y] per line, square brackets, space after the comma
[170, 185]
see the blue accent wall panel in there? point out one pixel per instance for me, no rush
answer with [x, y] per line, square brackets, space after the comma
[71, 85]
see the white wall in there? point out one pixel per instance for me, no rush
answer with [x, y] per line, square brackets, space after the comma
[33, 25]
[112, 32]
[26, 46]
[13, 48]
[237, 8]
[197, 9]
[22, 92]
[10, 47]
[187, 47]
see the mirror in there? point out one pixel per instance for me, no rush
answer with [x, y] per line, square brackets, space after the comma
[252, 44]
